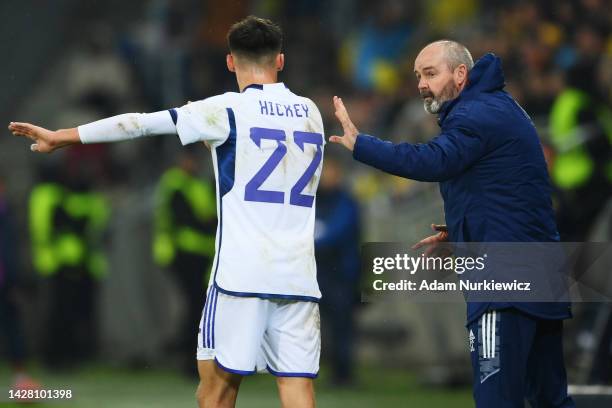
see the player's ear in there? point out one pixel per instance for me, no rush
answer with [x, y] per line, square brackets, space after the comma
[280, 61]
[229, 59]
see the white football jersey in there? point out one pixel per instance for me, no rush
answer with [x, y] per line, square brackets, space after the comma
[267, 148]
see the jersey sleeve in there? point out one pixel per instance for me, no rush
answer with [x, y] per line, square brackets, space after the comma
[127, 126]
[206, 120]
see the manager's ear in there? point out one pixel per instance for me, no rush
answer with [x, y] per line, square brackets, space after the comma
[280, 61]
[229, 60]
[460, 75]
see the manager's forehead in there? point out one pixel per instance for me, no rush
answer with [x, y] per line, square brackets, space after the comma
[432, 55]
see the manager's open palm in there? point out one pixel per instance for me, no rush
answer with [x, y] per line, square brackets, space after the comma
[350, 131]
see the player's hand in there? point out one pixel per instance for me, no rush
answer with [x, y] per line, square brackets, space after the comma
[433, 242]
[45, 140]
[350, 131]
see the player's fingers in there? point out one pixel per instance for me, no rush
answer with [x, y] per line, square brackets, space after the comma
[27, 135]
[21, 125]
[24, 129]
[41, 147]
[18, 131]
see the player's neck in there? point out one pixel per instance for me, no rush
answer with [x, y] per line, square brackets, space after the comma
[258, 77]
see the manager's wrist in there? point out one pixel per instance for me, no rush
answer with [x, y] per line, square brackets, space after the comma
[358, 145]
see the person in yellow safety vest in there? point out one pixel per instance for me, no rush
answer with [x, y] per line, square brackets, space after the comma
[581, 133]
[66, 230]
[184, 243]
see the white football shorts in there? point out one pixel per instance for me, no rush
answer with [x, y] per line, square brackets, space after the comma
[245, 335]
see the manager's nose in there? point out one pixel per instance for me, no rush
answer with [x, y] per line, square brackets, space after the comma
[422, 86]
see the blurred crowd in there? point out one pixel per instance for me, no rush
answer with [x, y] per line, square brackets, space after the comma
[557, 58]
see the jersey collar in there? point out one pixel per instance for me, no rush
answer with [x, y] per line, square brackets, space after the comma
[266, 87]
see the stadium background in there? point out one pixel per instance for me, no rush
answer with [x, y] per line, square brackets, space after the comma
[69, 62]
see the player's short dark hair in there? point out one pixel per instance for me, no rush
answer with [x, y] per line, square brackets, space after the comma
[255, 39]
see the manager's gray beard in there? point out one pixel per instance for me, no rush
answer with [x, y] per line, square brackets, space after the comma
[435, 103]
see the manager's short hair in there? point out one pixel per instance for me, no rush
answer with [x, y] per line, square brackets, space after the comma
[255, 38]
[455, 54]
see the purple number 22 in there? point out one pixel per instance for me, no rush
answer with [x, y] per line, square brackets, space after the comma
[254, 193]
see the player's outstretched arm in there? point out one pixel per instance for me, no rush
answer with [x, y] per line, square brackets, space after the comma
[350, 131]
[113, 129]
[45, 140]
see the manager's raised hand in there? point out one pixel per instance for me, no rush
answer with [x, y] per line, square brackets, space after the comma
[350, 131]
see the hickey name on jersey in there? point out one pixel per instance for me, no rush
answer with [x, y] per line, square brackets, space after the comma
[298, 110]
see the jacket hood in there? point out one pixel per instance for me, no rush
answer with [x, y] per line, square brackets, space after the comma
[486, 76]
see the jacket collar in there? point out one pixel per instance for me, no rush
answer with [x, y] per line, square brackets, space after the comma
[486, 76]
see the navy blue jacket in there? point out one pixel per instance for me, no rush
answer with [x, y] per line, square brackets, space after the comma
[491, 169]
